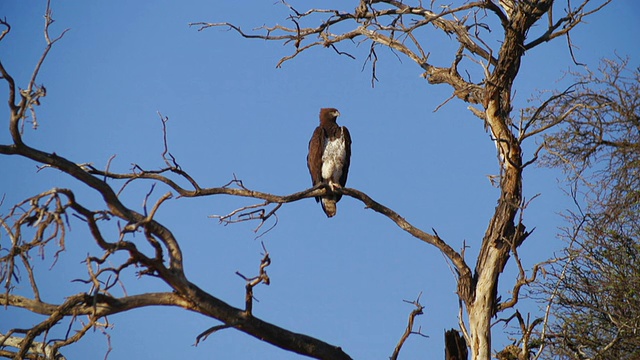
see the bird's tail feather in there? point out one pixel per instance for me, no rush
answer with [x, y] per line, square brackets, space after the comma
[329, 206]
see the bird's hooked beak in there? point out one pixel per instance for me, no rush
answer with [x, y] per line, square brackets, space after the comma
[336, 113]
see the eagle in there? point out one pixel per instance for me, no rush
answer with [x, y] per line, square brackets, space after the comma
[329, 157]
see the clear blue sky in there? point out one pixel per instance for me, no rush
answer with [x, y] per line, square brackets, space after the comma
[342, 280]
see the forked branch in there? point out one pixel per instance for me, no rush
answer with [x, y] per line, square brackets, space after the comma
[256, 211]
[409, 330]
[393, 26]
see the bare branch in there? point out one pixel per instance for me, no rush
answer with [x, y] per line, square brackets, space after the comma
[369, 25]
[409, 330]
[31, 95]
[205, 334]
[573, 17]
[7, 28]
[536, 116]
[261, 278]
[36, 348]
[594, 313]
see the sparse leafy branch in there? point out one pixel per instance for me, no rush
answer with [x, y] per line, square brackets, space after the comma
[591, 291]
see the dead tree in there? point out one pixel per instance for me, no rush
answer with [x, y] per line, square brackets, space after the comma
[491, 68]
[391, 24]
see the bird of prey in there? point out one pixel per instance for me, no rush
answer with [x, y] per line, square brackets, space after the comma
[329, 157]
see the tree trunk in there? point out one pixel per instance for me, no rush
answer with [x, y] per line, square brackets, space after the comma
[502, 234]
[455, 348]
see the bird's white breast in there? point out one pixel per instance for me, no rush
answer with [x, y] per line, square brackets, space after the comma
[333, 159]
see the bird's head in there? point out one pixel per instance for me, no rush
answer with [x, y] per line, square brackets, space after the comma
[330, 114]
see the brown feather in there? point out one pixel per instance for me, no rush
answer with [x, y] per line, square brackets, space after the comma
[314, 159]
[347, 161]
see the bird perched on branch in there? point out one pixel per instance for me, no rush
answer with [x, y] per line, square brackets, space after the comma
[329, 157]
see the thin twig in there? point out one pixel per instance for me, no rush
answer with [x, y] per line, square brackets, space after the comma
[409, 330]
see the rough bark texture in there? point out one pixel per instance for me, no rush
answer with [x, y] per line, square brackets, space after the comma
[502, 233]
[455, 348]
